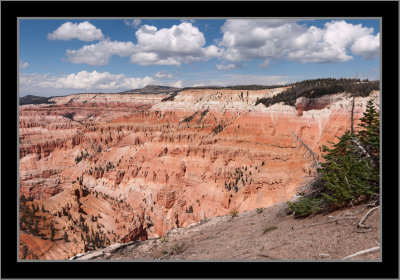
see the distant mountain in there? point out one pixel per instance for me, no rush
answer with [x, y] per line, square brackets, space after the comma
[152, 89]
[32, 99]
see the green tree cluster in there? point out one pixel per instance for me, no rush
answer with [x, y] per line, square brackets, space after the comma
[350, 170]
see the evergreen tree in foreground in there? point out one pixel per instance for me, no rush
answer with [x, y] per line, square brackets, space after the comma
[346, 174]
[350, 170]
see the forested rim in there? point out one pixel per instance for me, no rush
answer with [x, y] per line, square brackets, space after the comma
[31, 99]
[318, 87]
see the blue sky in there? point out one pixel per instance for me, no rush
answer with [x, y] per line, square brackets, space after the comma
[65, 56]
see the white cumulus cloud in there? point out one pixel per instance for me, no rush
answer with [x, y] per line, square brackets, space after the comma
[96, 80]
[182, 43]
[100, 53]
[84, 31]
[83, 80]
[286, 39]
[367, 46]
[149, 58]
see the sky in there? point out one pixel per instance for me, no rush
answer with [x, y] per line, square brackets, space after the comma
[66, 56]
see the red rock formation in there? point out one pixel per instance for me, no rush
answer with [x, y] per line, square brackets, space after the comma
[150, 166]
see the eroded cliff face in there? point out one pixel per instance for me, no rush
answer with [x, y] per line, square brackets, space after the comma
[135, 167]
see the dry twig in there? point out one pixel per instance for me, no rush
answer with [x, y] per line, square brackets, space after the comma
[361, 148]
[362, 252]
[365, 216]
[309, 149]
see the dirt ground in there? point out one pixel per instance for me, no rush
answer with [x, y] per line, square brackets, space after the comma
[267, 235]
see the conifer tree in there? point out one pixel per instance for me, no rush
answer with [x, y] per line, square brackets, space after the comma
[369, 134]
[66, 237]
[52, 231]
[36, 229]
[350, 169]
[345, 174]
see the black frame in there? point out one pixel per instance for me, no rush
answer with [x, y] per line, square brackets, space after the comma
[388, 268]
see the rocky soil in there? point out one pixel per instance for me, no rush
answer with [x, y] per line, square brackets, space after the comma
[263, 234]
[132, 167]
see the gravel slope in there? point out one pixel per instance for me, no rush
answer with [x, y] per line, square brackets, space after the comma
[270, 235]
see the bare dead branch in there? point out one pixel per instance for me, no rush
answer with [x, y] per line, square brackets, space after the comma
[309, 149]
[352, 116]
[375, 199]
[347, 181]
[362, 252]
[365, 216]
[361, 148]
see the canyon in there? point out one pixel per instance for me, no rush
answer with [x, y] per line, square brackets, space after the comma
[117, 168]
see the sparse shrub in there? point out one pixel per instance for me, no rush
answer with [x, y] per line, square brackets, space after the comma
[268, 229]
[219, 128]
[305, 206]
[259, 210]
[190, 210]
[178, 248]
[188, 119]
[234, 213]
[78, 159]
[164, 239]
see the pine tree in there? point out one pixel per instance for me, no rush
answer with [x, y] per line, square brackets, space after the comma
[24, 251]
[36, 229]
[369, 134]
[66, 237]
[345, 173]
[350, 169]
[52, 231]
